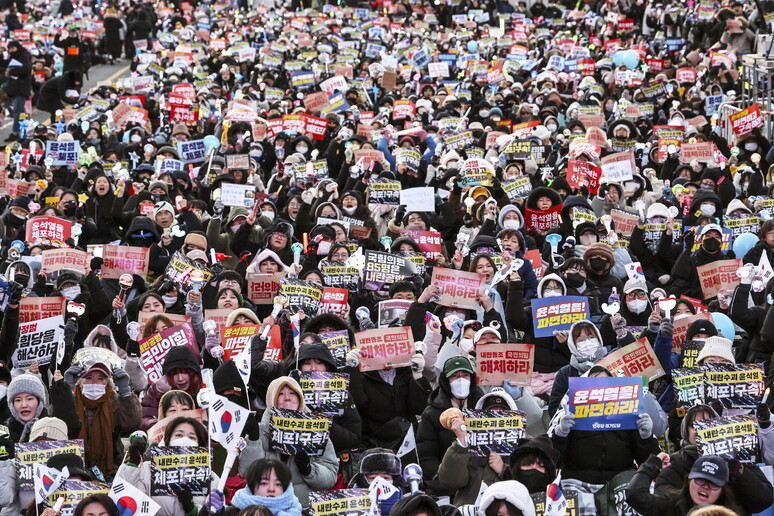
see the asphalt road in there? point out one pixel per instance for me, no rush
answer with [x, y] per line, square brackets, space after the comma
[97, 74]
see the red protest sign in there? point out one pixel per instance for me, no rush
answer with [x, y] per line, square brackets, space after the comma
[583, 173]
[533, 255]
[315, 127]
[429, 242]
[654, 65]
[385, 348]
[316, 102]
[120, 259]
[235, 338]
[261, 288]
[335, 301]
[403, 109]
[718, 275]
[685, 75]
[543, 220]
[746, 120]
[36, 308]
[496, 363]
[185, 89]
[458, 289]
[48, 231]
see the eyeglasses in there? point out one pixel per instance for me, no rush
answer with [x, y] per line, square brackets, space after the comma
[636, 295]
[229, 283]
[278, 234]
[703, 482]
[546, 291]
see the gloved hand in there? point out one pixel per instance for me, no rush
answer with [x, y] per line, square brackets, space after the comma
[566, 422]
[619, 325]
[735, 469]
[763, 414]
[17, 290]
[295, 374]
[400, 212]
[513, 390]
[645, 426]
[654, 322]
[217, 208]
[302, 463]
[417, 365]
[136, 451]
[353, 357]
[308, 196]
[185, 496]
[121, 381]
[666, 328]
[215, 501]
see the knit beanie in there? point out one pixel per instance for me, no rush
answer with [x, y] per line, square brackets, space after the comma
[29, 384]
[181, 357]
[716, 347]
[599, 249]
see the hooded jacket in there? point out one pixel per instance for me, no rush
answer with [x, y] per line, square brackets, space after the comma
[130, 364]
[324, 467]
[178, 357]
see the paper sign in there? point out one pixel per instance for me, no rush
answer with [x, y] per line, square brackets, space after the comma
[605, 403]
[681, 327]
[458, 289]
[554, 314]
[494, 431]
[636, 359]
[64, 259]
[37, 308]
[237, 195]
[496, 363]
[261, 288]
[122, 259]
[294, 432]
[618, 167]
[543, 220]
[746, 120]
[154, 349]
[48, 231]
[718, 275]
[385, 348]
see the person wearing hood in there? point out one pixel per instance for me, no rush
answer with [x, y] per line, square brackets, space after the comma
[655, 256]
[542, 198]
[104, 206]
[574, 273]
[757, 320]
[19, 83]
[277, 237]
[507, 497]
[457, 387]
[459, 470]
[685, 275]
[221, 233]
[609, 197]
[181, 372]
[378, 462]
[534, 463]
[514, 245]
[600, 260]
[307, 473]
[15, 220]
[102, 337]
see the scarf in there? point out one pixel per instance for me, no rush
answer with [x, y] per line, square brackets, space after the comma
[27, 429]
[583, 364]
[285, 504]
[497, 302]
[97, 437]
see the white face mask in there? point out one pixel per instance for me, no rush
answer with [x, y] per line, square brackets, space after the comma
[3, 391]
[466, 346]
[681, 316]
[93, 391]
[551, 128]
[71, 293]
[750, 146]
[183, 441]
[460, 388]
[511, 224]
[349, 211]
[707, 209]
[324, 247]
[552, 293]
[302, 149]
[637, 306]
[588, 347]
[235, 227]
[268, 214]
[135, 138]
[169, 300]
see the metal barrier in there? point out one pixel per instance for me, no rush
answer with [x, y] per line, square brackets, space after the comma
[724, 111]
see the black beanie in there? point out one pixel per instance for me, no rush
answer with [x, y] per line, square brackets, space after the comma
[181, 357]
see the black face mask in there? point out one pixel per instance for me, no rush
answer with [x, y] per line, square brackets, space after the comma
[598, 264]
[11, 219]
[533, 480]
[22, 280]
[574, 279]
[69, 209]
[711, 245]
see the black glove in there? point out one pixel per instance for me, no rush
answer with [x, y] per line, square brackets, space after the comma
[400, 212]
[295, 374]
[763, 414]
[185, 496]
[17, 289]
[735, 469]
[302, 463]
[136, 451]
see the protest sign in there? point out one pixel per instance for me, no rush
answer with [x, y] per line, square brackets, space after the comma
[385, 348]
[731, 437]
[618, 167]
[499, 362]
[392, 312]
[384, 191]
[237, 195]
[738, 227]
[493, 431]
[325, 393]
[408, 156]
[734, 385]
[156, 432]
[554, 314]
[63, 154]
[38, 341]
[583, 173]
[122, 259]
[429, 242]
[154, 349]
[518, 188]
[458, 289]
[27, 454]
[725, 243]
[606, 403]
[48, 231]
[176, 467]
[543, 220]
[335, 301]
[571, 499]
[689, 386]
[625, 222]
[689, 352]
[55, 260]
[73, 491]
[637, 359]
[301, 295]
[383, 269]
[180, 270]
[403, 109]
[295, 432]
[339, 274]
[143, 317]
[194, 151]
[37, 308]
[718, 275]
[235, 338]
[700, 151]
[533, 255]
[746, 120]
[337, 343]
[681, 328]
[418, 199]
[340, 502]
[261, 288]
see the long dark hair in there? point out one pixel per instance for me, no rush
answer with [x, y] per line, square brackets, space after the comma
[100, 498]
[201, 432]
[726, 498]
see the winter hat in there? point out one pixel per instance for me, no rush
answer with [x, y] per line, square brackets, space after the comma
[700, 326]
[737, 204]
[450, 155]
[51, 428]
[540, 445]
[27, 384]
[712, 468]
[716, 347]
[510, 491]
[635, 284]
[163, 206]
[508, 209]
[275, 387]
[268, 254]
[496, 398]
[66, 277]
[317, 351]
[456, 364]
[657, 210]
[241, 311]
[181, 357]
[21, 202]
[599, 249]
[380, 460]
[196, 239]
[486, 329]
[5, 372]
[180, 129]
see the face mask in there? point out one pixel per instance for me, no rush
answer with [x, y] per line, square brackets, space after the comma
[350, 210]
[94, 141]
[183, 441]
[511, 224]
[637, 306]
[93, 391]
[302, 149]
[71, 293]
[235, 227]
[533, 480]
[169, 300]
[588, 347]
[707, 209]
[706, 187]
[460, 388]
[574, 279]
[22, 280]
[452, 165]
[551, 128]
[135, 138]
[711, 245]
[551, 293]
[750, 146]
[681, 316]
[268, 214]
[324, 247]
[466, 345]
[588, 239]
[484, 113]
[495, 118]
[598, 264]
[3, 391]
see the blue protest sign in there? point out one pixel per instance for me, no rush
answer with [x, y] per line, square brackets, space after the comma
[606, 403]
[553, 314]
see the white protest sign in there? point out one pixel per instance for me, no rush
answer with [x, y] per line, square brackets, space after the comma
[237, 195]
[418, 199]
